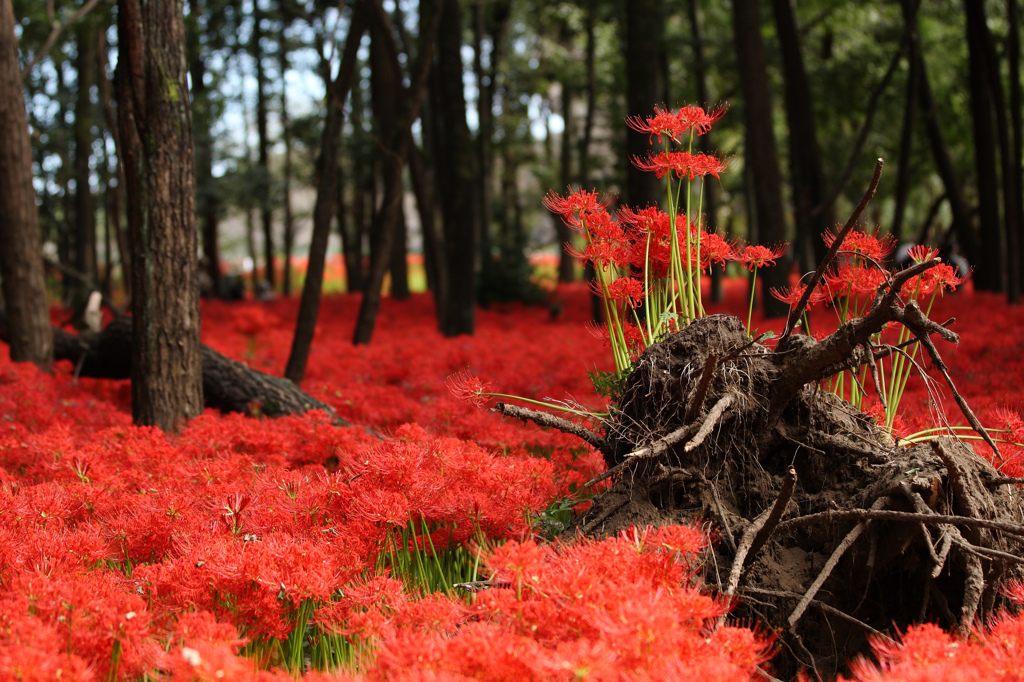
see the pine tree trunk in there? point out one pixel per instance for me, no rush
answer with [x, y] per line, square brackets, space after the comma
[263, 188]
[309, 304]
[116, 194]
[566, 263]
[155, 126]
[761, 155]
[645, 87]
[989, 273]
[85, 209]
[807, 177]
[21, 258]
[1016, 114]
[288, 228]
[455, 172]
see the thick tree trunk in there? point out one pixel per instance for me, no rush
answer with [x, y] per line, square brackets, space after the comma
[21, 256]
[323, 210]
[807, 176]
[645, 87]
[761, 153]
[455, 172]
[988, 276]
[155, 126]
[423, 188]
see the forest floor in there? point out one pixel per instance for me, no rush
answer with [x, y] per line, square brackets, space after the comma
[128, 552]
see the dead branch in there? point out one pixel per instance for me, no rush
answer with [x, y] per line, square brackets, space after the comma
[892, 515]
[697, 402]
[655, 449]
[830, 565]
[798, 309]
[714, 416]
[547, 419]
[778, 509]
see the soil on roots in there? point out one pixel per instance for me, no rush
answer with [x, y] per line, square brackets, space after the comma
[697, 443]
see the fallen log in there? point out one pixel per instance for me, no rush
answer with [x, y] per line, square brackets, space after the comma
[228, 385]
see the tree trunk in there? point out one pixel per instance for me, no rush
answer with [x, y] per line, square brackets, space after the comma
[807, 176]
[21, 257]
[454, 172]
[962, 226]
[288, 229]
[423, 188]
[566, 263]
[155, 126]
[85, 209]
[906, 145]
[1016, 109]
[116, 193]
[709, 188]
[645, 87]
[589, 273]
[263, 187]
[309, 305]
[385, 90]
[207, 193]
[761, 153]
[989, 273]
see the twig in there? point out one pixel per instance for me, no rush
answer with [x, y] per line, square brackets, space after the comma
[710, 421]
[479, 585]
[798, 310]
[921, 326]
[829, 566]
[777, 511]
[697, 402]
[892, 515]
[55, 32]
[875, 377]
[1006, 480]
[650, 451]
[546, 419]
[818, 604]
[729, 539]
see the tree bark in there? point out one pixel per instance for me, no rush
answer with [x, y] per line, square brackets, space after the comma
[989, 273]
[906, 145]
[1016, 114]
[807, 177]
[323, 210]
[155, 127]
[455, 169]
[645, 87]
[761, 154]
[708, 186]
[21, 257]
[116, 193]
[85, 209]
[288, 228]
[263, 186]
[589, 273]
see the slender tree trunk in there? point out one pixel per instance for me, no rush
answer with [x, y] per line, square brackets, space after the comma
[85, 209]
[589, 273]
[207, 195]
[761, 153]
[566, 263]
[708, 186]
[807, 176]
[906, 146]
[645, 87]
[288, 229]
[263, 188]
[422, 187]
[385, 90]
[116, 193]
[961, 227]
[1011, 184]
[988, 276]
[454, 174]
[21, 256]
[309, 305]
[155, 125]
[1016, 109]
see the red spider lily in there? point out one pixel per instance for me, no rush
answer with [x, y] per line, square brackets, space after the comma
[626, 289]
[467, 387]
[575, 206]
[715, 249]
[870, 245]
[757, 256]
[921, 253]
[679, 124]
[792, 295]
[683, 164]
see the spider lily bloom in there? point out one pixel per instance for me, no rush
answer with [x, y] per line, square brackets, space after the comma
[677, 125]
[756, 256]
[683, 164]
[469, 388]
[863, 244]
[792, 295]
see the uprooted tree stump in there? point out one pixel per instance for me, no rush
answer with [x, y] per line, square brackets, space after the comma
[828, 531]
